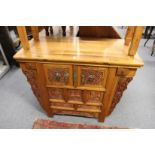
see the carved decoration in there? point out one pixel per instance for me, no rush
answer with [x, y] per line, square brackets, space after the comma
[78, 113]
[92, 77]
[55, 93]
[75, 95]
[58, 75]
[62, 105]
[122, 85]
[32, 79]
[94, 96]
[91, 101]
[89, 107]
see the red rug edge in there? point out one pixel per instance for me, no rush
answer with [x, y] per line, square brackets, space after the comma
[53, 124]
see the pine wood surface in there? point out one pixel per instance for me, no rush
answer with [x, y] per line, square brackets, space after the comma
[97, 51]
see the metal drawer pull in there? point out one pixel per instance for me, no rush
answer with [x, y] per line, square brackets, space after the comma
[29, 65]
[57, 76]
[90, 78]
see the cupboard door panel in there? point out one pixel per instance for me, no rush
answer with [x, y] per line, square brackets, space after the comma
[58, 75]
[92, 77]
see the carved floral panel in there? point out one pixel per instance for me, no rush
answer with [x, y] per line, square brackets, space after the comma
[55, 93]
[32, 79]
[91, 76]
[94, 96]
[58, 75]
[74, 95]
[122, 85]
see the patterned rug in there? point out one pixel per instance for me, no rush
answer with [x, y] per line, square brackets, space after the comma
[51, 124]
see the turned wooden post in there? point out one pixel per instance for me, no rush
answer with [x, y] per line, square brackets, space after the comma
[35, 32]
[135, 40]
[23, 37]
[129, 35]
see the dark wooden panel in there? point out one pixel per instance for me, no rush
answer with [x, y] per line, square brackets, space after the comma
[98, 32]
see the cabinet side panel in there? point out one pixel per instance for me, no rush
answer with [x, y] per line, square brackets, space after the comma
[121, 87]
[43, 90]
[35, 77]
[110, 90]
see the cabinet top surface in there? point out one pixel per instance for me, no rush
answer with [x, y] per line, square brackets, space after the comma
[78, 50]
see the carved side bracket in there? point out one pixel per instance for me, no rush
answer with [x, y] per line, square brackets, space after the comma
[32, 79]
[121, 86]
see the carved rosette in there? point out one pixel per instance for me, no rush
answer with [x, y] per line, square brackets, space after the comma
[58, 75]
[94, 96]
[122, 85]
[55, 93]
[91, 77]
[75, 95]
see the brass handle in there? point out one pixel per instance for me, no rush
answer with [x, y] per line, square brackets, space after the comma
[57, 76]
[91, 78]
[29, 65]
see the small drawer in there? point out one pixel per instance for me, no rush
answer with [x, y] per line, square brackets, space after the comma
[93, 97]
[92, 77]
[58, 75]
[75, 96]
[86, 108]
[56, 94]
[62, 106]
[30, 65]
[126, 72]
[78, 113]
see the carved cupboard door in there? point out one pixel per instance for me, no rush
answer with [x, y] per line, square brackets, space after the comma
[92, 77]
[58, 75]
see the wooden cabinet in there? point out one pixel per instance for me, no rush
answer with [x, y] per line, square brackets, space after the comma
[79, 77]
[76, 89]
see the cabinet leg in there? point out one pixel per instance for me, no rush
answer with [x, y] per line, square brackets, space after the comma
[50, 114]
[101, 118]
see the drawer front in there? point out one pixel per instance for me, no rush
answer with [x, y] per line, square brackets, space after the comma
[30, 65]
[56, 94]
[75, 100]
[75, 96]
[60, 106]
[86, 108]
[126, 72]
[93, 97]
[78, 113]
[58, 75]
[92, 77]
